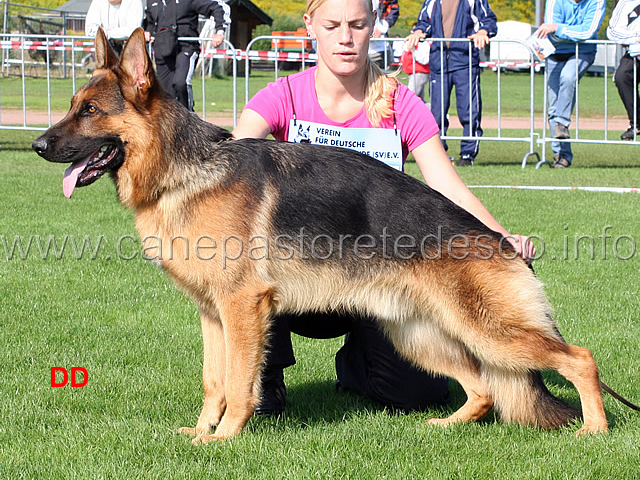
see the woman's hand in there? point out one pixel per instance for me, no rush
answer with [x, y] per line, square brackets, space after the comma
[524, 246]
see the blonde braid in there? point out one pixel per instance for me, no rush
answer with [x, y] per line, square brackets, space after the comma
[379, 91]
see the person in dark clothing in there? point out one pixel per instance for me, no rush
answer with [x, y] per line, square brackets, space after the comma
[175, 70]
[624, 28]
[471, 19]
[387, 12]
[367, 364]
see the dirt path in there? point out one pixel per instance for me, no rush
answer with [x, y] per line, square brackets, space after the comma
[10, 116]
[14, 116]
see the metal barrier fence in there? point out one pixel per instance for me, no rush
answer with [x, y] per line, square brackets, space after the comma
[528, 64]
[77, 50]
[609, 65]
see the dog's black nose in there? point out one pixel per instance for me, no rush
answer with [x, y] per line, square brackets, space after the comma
[40, 145]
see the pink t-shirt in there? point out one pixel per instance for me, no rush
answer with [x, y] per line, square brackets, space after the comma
[415, 121]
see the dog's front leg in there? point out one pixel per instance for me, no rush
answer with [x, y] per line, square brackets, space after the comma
[213, 375]
[245, 319]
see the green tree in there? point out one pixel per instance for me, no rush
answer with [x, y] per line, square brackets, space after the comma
[520, 10]
[41, 3]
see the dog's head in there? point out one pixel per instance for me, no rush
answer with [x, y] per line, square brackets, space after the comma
[100, 129]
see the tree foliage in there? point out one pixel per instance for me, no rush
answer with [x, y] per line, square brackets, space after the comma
[289, 12]
[40, 3]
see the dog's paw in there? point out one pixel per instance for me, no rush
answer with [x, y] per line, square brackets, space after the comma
[204, 439]
[198, 438]
[189, 431]
[441, 422]
[592, 430]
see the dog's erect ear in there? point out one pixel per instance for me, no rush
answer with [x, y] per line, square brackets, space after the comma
[135, 62]
[106, 57]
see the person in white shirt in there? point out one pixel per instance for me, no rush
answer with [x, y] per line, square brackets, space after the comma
[118, 18]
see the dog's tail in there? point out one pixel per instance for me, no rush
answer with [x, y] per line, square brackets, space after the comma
[523, 398]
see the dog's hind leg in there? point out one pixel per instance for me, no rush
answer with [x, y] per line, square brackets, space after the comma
[512, 371]
[213, 373]
[244, 317]
[478, 403]
[577, 365]
[432, 350]
[502, 317]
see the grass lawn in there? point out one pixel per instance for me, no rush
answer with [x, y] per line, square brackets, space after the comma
[121, 319]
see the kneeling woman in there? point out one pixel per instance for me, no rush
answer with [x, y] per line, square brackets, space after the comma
[348, 97]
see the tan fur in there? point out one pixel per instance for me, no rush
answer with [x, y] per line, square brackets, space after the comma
[489, 336]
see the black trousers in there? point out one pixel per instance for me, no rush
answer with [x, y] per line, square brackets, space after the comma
[627, 88]
[175, 72]
[367, 363]
[117, 45]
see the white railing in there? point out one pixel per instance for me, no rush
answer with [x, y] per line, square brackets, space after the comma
[47, 56]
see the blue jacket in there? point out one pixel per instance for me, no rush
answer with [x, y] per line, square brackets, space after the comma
[576, 22]
[472, 16]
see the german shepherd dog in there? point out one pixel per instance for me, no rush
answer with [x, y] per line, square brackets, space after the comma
[275, 227]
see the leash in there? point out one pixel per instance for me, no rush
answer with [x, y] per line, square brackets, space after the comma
[618, 397]
[293, 107]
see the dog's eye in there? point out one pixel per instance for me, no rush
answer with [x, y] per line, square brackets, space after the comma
[90, 109]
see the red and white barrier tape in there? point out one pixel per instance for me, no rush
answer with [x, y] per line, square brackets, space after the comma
[87, 46]
[57, 45]
[271, 55]
[261, 55]
[510, 64]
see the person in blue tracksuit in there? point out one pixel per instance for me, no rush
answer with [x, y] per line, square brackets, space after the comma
[567, 23]
[449, 62]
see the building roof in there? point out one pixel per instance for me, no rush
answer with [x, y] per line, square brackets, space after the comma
[253, 9]
[76, 6]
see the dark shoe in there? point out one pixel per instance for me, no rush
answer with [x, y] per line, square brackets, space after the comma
[628, 135]
[465, 161]
[560, 132]
[274, 394]
[560, 162]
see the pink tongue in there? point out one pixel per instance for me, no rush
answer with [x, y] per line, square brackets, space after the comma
[71, 177]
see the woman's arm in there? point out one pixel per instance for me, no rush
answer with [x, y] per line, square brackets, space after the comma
[251, 125]
[440, 175]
